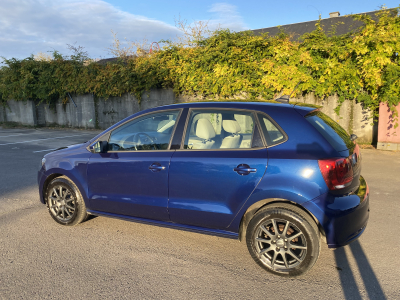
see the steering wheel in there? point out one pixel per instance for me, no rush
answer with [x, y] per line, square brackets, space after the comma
[138, 141]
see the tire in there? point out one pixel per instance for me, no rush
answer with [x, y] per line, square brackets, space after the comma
[283, 239]
[67, 207]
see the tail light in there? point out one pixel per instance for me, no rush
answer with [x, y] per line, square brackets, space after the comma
[337, 172]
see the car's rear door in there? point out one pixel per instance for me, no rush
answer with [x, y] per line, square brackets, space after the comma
[132, 177]
[217, 168]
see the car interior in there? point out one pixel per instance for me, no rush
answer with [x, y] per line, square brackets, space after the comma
[219, 130]
[207, 129]
[148, 133]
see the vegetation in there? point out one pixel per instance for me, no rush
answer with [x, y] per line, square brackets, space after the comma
[362, 65]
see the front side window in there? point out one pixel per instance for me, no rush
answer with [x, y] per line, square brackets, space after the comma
[150, 132]
[219, 129]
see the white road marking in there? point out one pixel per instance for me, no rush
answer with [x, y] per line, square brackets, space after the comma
[45, 150]
[13, 135]
[61, 137]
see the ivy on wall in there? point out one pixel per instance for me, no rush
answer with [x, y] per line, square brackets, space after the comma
[362, 65]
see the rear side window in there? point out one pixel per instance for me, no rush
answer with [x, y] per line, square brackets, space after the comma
[219, 129]
[332, 131]
[273, 134]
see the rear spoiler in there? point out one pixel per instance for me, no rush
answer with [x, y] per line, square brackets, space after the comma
[305, 109]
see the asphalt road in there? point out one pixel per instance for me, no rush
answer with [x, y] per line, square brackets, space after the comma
[112, 259]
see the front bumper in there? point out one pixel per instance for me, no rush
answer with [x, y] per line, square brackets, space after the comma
[41, 179]
[344, 218]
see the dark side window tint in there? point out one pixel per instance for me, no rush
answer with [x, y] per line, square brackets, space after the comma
[273, 135]
[332, 131]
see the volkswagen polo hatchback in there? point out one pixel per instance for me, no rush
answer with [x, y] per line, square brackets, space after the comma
[280, 177]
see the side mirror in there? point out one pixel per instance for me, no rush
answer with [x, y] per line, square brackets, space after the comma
[99, 147]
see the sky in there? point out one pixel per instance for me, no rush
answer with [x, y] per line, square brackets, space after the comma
[31, 26]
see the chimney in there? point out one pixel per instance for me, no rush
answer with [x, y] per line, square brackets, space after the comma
[334, 14]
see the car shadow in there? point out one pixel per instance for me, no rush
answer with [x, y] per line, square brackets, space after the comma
[90, 217]
[347, 278]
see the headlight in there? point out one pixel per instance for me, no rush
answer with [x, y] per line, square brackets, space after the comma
[43, 162]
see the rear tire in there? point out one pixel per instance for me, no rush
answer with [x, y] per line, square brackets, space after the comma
[65, 202]
[283, 239]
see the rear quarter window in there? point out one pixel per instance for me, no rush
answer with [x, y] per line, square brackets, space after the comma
[272, 133]
[331, 131]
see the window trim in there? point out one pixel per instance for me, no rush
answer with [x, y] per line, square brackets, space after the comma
[254, 114]
[140, 116]
[276, 125]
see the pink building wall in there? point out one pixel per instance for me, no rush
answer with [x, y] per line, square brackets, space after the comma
[388, 136]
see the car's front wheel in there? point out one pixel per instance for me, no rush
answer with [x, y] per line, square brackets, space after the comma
[64, 202]
[283, 239]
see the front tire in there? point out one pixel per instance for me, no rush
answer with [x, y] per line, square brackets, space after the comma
[283, 239]
[64, 202]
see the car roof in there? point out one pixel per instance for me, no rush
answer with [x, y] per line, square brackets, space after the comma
[303, 110]
[271, 108]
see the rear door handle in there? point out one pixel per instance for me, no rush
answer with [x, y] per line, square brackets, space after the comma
[244, 169]
[156, 167]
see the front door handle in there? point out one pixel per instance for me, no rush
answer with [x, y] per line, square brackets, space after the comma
[244, 169]
[156, 167]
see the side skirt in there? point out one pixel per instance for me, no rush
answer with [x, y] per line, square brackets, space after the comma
[208, 231]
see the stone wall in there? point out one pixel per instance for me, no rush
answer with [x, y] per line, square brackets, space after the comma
[86, 111]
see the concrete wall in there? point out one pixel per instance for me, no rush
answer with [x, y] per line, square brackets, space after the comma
[2, 114]
[115, 109]
[67, 114]
[102, 113]
[23, 112]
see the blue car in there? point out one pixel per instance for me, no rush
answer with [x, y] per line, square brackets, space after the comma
[280, 177]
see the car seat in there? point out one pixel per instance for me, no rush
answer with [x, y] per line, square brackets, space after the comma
[205, 131]
[231, 141]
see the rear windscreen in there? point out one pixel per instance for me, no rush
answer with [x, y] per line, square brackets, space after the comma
[332, 131]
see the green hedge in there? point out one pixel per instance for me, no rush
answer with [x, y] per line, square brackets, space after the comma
[362, 65]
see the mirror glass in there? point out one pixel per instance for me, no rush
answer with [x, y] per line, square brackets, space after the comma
[97, 148]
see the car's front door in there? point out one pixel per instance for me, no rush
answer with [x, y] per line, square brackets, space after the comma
[220, 164]
[131, 178]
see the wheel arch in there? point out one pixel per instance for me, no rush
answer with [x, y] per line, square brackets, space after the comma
[46, 184]
[255, 207]
[55, 175]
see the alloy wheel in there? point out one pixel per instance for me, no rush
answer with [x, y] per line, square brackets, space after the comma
[62, 203]
[280, 244]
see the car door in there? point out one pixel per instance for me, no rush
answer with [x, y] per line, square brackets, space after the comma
[221, 161]
[131, 178]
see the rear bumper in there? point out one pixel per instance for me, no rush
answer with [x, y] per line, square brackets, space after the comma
[344, 218]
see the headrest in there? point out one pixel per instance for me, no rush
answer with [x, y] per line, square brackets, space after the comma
[164, 125]
[231, 126]
[204, 129]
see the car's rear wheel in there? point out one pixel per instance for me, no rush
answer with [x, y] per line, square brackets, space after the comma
[64, 202]
[283, 239]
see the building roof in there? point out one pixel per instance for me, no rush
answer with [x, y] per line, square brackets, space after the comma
[345, 24]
